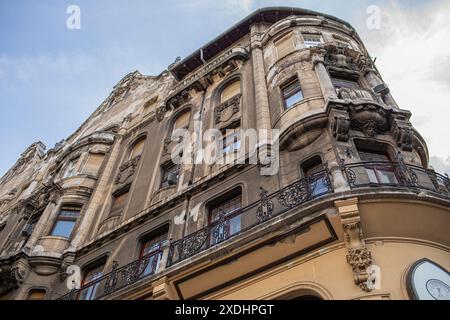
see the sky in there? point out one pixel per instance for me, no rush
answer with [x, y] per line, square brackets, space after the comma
[52, 78]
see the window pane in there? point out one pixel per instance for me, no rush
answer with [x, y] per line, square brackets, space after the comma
[387, 177]
[344, 83]
[173, 171]
[182, 122]
[137, 149]
[118, 204]
[70, 170]
[227, 207]
[368, 156]
[88, 293]
[230, 91]
[284, 46]
[294, 99]
[372, 176]
[312, 40]
[93, 163]
[63, 228]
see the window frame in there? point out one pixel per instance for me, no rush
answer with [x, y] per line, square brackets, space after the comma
[67, 219]
[307, 43]
[165, 169]
[285, 97]
[280, 39]
[95, 285]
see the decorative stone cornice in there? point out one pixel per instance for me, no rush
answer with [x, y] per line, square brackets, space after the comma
[199, 81]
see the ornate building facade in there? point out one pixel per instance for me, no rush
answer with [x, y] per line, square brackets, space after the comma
[354, 212]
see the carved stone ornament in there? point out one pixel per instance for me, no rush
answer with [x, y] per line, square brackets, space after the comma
[127, 170]
[12, 275]
[369, 118]
[346, 60]
[130, 82]
[341, 127]
[358, 255]
[231, 107]
[36, 149]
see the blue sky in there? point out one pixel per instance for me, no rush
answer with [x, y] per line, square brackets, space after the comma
[53, 78]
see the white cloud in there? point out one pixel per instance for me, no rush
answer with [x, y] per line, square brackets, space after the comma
[413, 55]
[440, 165]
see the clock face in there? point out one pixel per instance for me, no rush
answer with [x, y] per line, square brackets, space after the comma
[438, 289]
[428, 281]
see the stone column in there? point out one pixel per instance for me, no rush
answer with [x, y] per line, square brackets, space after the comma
[323, 77]
[84, 229]
[259, 78]
[373, 80]
[42, 224]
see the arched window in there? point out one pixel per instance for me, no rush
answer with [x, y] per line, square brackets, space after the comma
[137, 149]
[230, 91]
[182, 121]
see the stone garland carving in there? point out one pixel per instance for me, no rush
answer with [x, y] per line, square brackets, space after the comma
[127, 170]
[345, 59]
[265, 208]
[234, 103]
[358, 255]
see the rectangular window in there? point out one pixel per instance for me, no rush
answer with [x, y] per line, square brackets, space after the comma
[285, 45]
[93, 163]
[118, 204]
[229, 209]
[65, 223]
[170, 175]
[312, 40]
[314, 170]
[151, 249]
[292, 93]
[89, 286]
[378, 168]
[341, 82]
[232, 140]
[71, 169]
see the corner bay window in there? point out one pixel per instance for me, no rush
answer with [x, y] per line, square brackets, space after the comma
[291, 93]
[65, 223]
[378, 167]
[227, 209]
[89, 289]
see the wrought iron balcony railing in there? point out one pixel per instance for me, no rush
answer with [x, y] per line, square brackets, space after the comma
[117, 279]
[233, 223]
[395, 174]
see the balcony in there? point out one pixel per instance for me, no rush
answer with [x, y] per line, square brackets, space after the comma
[395, 174]
[117, 279]
[375, 174]
[226, 227]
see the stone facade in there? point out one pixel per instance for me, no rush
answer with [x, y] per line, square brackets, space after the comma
[373, 202]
